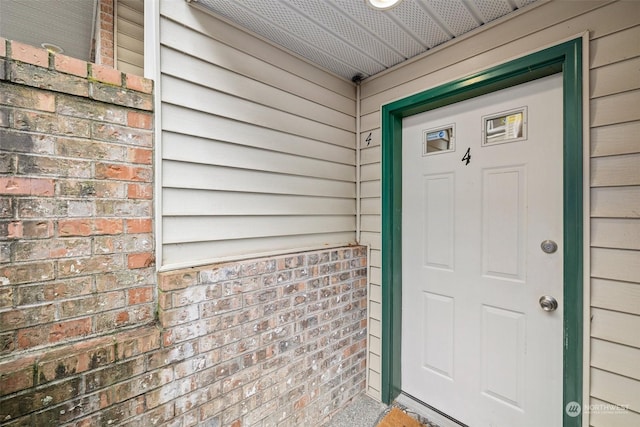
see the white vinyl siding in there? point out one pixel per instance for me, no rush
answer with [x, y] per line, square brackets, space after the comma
[614, 60]
[258, 146]
[129, 38]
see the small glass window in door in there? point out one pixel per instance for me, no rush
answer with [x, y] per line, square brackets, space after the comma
[509, 126]
[438, 140]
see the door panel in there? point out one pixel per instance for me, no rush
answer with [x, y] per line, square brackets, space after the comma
[476, 344]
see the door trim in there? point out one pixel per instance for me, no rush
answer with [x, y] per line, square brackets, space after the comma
[565, 58]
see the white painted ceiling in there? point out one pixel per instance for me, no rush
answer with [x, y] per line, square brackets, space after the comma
[350, 38]
[66, 23]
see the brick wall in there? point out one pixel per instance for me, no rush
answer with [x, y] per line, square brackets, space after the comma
[105, 30]
[76, 243]
[90, 335]
[266, 342]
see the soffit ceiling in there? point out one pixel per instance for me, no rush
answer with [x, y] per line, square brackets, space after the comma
[350, 38]
[65, 23]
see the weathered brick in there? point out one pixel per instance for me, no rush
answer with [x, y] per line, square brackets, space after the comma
[37, 229]
[121, 134]
[108, 226]
[6, 207]
[92, 304]
[16, 375]
[124, 278]
[90, 189]
[26, 97]
[29, 54]
[54, 291]
[87, 149]
[139, 120]
[140, 295]
[7, 343]
[139, 84]
[122, 172]
[53, 333]
[43, 78]
[120, 96]
[51, 249]
[3, 47]
[106, 74]
[8, 163]
[53, 166]
[24, 317]
[139, 191]
[27, 186]
[93, 265]
[135, 315]
[129, 208]
[42, 208]
[113, 374]
[80, 208]
[140, 155]
[27, 272]
[51, 124]
[11, 230]
[11, 140]
[75, 227]
[138, 341]
[139, 225]
[69, 65]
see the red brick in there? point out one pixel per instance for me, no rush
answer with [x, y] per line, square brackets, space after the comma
[139, 120]
[70, 329]
[139, 84]
[27, 186]
[139, 225]
[140, 155]
[69, 65]
[141, 260]
[75, 227]
[108, 226]
[14, 230]
[29, 54]
[16, 375]
[122, 172]
[106, 74]
[139, 191]
[140, 295]
[30, 272]
[37, 229]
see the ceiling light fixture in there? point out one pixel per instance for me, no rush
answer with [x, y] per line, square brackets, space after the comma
[382, 4]
[52, 48]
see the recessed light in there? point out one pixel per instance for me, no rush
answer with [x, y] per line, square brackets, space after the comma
[52, 48]
[382, 4]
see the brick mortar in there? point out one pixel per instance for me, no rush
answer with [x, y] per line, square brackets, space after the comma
[260, 342]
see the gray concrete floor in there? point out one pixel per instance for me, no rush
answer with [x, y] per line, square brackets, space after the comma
[363, 411]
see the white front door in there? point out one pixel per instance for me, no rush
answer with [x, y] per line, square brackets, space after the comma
[482, 189]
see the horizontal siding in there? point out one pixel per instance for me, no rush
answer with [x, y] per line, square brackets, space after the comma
[258, 147]
[184, 254]
[614, 93]
[129, 39]
[606, 414]
[615, 139]
[614, 388]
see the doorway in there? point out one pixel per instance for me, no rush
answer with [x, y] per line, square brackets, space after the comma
[565, 61]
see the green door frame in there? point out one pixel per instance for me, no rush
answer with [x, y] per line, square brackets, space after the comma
[565, 58]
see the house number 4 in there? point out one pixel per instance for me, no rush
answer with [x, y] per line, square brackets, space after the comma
[467, 156]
